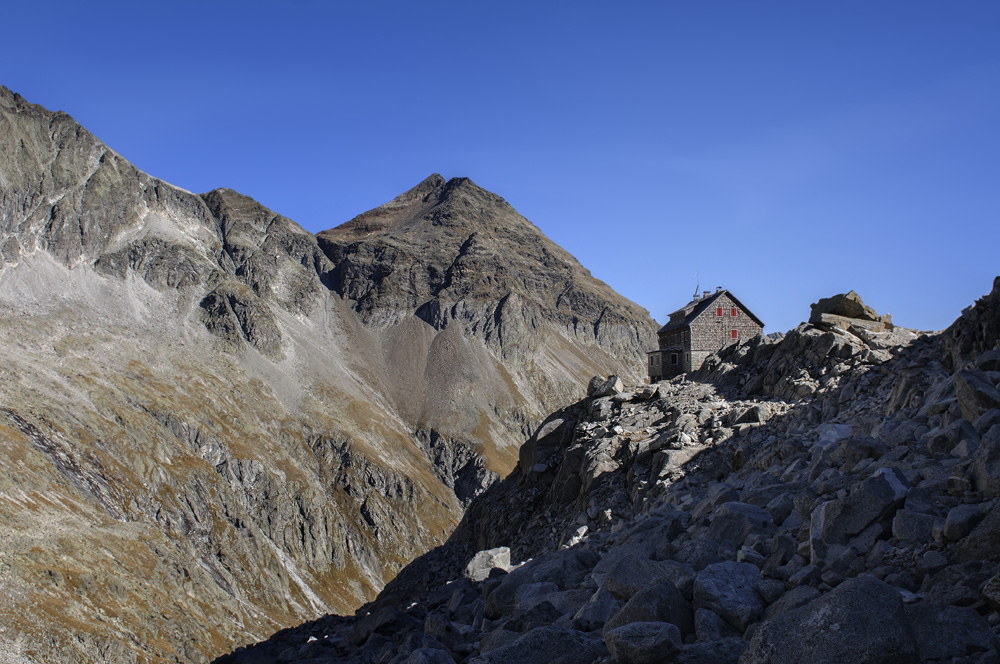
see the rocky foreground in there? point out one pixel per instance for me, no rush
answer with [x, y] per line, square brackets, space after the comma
[832, 496]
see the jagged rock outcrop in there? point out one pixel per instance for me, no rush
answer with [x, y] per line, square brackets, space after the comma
[203, 441]
[701, 521]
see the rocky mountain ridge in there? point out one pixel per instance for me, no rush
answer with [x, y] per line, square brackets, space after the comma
[203, 440]
[830, 496]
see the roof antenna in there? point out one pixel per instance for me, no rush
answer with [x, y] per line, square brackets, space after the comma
[697, 286]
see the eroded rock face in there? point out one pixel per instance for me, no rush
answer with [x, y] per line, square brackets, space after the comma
[828, 526]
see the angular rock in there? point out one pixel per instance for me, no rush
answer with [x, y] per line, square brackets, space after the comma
[982, 542]
[564, 568]
[610, 387]
[429, 656]
[989, 361]
[960, 521]
[913, 527]
[729, 589]
[599, 609]
[986, 464]
[644, 643]
[793, 599]
[945, 439]
[709, 626]
[498, 638]
[734, 521]
[847, 305]
[976, 394]
[601, 409]
[991, 592]
[631, 574]
[944, 632]
[546, 644]
[484, 562]
[987, 421]
[836, 522]
[658, 603]
[861, 621]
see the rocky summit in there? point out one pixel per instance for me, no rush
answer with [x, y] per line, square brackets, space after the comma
[831, 496]
[523, 318]
[216, 425]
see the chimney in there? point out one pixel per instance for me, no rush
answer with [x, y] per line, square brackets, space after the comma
[718, 289]
[705, 294]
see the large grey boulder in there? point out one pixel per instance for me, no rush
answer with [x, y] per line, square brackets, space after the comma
[484, 562]
[944, 439]
[563, 568]
[729, 589]
[837, 522]
[861, 621]
[943, 632]
[733, 521]
[598, 610]
[982, 542]
[960, 521]
[630, 574]
[846, 305]
[643, 643]
[913, 527]
[608, 388]
[661, 602]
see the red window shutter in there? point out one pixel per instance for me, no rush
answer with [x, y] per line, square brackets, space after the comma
[735, 334]
[734, 312]
[718, 312]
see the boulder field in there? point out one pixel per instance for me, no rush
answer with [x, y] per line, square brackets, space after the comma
[829, 496]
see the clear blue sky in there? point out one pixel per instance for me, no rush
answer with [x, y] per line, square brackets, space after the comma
[784, 150]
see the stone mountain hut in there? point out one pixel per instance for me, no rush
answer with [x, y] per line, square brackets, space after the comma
[703, 326]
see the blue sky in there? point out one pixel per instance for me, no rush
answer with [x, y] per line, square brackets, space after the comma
[784, 150]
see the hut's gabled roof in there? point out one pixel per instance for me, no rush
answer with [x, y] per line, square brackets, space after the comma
[702, 305]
